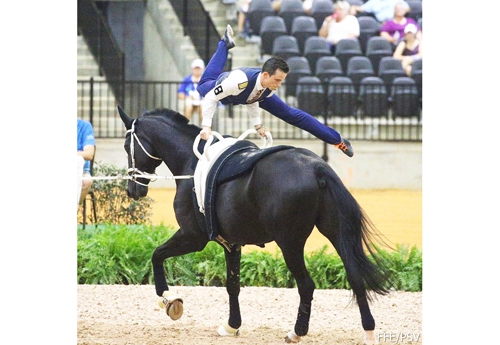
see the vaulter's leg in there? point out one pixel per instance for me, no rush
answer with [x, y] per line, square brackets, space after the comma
[233, 264]
[216, 64]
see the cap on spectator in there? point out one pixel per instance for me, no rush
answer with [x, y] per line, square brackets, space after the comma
[411, 28]
[198, 63]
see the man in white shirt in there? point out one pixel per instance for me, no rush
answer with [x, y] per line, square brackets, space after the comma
[256, 88]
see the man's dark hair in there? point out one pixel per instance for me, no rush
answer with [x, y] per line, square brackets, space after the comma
[275, 63]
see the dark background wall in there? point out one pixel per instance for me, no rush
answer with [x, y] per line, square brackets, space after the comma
[126, 19]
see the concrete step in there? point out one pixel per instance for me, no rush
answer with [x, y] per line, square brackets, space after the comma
[244, 54]
[86, 64]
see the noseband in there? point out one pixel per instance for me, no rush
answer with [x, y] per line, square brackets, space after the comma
[133, 171]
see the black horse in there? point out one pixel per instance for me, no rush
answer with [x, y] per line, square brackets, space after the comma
[281, 199]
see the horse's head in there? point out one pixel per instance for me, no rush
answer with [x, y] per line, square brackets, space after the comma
[141, 156]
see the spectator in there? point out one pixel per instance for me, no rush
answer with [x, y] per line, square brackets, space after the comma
[85, 150]
[243, 25]
[409, 49]
[187, 90]
[382, 9]
[339, 25]
[307, 6]
[393, 29]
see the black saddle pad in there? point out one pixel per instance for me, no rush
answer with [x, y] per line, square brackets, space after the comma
[236, 161]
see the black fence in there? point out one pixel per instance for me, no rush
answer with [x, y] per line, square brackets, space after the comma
[368, 111]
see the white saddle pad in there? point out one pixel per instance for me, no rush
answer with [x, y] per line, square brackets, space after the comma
[204, 165]
[210, 155]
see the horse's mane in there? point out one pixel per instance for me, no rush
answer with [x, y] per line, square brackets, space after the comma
[175, 119]
[169, 113]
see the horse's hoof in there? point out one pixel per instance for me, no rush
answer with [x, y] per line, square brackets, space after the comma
[173, 305]
[225, 330]
[370, 338]
[291, 337]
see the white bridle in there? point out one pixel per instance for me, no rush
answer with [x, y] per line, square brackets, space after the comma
[133, 171]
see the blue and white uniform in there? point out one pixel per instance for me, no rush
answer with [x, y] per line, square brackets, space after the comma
[241, 86]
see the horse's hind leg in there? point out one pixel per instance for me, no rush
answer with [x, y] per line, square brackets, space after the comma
[356, 265]
[233, 264]
[293, 253]
[367, 319]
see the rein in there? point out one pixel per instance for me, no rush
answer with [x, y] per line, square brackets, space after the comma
[153, 177]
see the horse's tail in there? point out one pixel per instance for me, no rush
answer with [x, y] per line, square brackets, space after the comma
[356, 239]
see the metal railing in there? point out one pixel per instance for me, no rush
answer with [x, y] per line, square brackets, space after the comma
[395, 117]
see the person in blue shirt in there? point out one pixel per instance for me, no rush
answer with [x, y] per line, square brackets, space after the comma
[85, 150]
[256, 88]
[383, 10]
[188, 90]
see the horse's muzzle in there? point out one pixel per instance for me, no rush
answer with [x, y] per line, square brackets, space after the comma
[136, 191]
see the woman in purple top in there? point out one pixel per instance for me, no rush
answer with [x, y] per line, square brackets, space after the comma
[409, 49]
[393, 30]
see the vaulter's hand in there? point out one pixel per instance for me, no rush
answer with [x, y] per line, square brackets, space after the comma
[205, 132]
[262, 131]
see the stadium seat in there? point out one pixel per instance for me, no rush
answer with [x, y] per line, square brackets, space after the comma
[315, 47]
[271, 27]
[404, 98]
[320, 10]
[390, 68]
[257, 11]
[415, 9]
[299, 67]
[289, 10]
[347, 48]
[341, 97]
[358, 68]
[368, 27]
[285, 47]
[416, 74]
[376, 48]
[311, 95]
[373, 98]
[356, 2]
[328, 67]
[303, 27]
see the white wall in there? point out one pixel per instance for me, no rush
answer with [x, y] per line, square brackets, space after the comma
[375, 165]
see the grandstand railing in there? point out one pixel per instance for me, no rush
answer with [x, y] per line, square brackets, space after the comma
[400, 121]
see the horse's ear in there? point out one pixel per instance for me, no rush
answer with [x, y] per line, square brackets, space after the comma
[125, 118]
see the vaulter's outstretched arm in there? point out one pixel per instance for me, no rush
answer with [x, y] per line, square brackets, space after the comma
[301, 119]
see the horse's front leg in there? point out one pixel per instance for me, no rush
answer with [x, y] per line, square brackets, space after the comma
[233, 263]
[182, 242]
